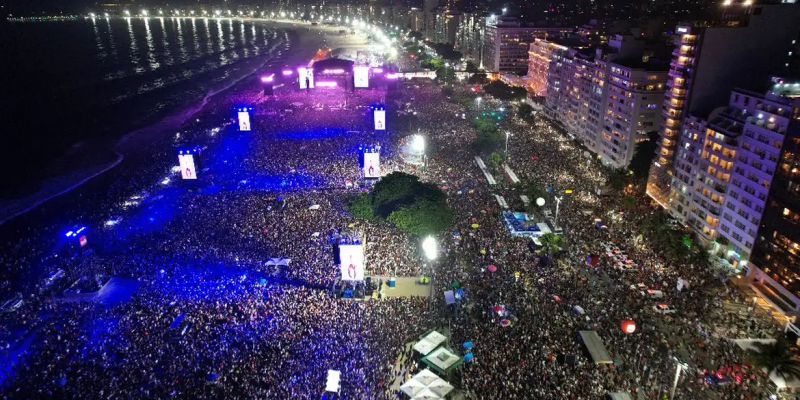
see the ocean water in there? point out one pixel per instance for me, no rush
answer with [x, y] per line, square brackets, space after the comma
[93, 80]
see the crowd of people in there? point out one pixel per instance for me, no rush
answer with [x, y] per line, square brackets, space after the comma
[211, 319]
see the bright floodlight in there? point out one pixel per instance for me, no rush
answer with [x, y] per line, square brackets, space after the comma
[430, 248]
[418, 144]
[144, 13]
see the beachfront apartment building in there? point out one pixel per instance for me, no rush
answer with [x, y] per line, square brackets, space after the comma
[606, 97]
[709, 60]
[469, 35]
[774, 268]
[635, 89]
[506, 42]
[540, 56]
[724, 169]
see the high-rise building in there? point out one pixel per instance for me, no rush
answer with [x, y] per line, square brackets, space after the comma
[446, 26]
[469, 35]
[540, 58]
[429, 17]
[709, 61]
[635, 89]
[725, 167]
[775, 262]
[506, 43]
[607, 100]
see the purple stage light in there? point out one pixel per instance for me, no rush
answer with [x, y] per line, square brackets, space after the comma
[326, 84]
[335, 71]
[287, 72]
[377, 70]
[268, 78]
[392, 76]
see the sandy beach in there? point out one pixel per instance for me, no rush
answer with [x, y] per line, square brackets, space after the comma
[137, 150]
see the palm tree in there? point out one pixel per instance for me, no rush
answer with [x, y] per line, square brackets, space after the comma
[775, 357]
[551, 243]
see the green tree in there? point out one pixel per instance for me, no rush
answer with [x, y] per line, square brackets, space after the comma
[500, 90]
[775, 357]
[477, 78]
[525, 111]
[552, 244]
[432, 63]
[446, 75]
[361, 207]
[643, 157]
[489, 138]
[496, 161]
[394, 191]
[424, 217]
[412, 206]
[617, 179]
[629, 203]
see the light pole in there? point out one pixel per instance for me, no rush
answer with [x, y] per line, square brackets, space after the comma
[680, 367]
[431, 250]
[508, 134]
[558, 204]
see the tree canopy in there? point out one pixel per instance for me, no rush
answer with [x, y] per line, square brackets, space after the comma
[502, 91]
[775, 357]
[415, 207]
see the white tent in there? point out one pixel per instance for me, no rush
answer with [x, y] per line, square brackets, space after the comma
[426, 386]
[429, 342]
[279, 261]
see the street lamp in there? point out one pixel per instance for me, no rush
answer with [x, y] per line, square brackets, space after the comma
[680, 367]
[558, 204]
[430, 248]
[508, 134]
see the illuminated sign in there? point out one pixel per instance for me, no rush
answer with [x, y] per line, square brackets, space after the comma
[244, 120]
[187, 166]
[361, 76]
[305, 77]
[351, 257]
[372, 165]
[379, 117]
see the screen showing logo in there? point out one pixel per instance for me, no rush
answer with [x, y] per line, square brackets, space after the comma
[186, 162]
[244, 121]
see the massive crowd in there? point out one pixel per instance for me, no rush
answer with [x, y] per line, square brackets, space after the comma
[212, 320]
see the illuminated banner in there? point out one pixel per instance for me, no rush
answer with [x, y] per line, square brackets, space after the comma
[351, 257]
[244, 121]
[380, 119]
[187, 166]
[361, 77]
[372, 165]
[305, 77]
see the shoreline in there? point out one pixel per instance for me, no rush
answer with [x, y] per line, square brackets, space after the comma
[125, 145]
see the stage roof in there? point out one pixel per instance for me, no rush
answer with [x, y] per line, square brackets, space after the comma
[332, 64]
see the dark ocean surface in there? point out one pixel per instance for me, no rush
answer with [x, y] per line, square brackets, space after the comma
[74, 87]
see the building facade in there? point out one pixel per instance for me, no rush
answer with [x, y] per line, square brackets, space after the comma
[506, 43]
[708, 62]
[606, 100]
[469, 35]
[775, 262]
